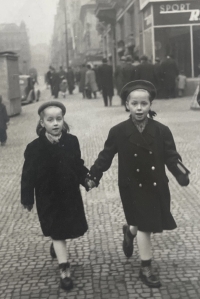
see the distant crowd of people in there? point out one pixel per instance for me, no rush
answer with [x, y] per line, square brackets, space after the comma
[164, 75]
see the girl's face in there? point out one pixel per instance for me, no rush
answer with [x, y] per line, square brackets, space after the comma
[53, 120]
[139, 104]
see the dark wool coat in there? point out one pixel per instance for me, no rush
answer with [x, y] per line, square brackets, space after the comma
[145, 71]
[106, 79]
[54, 172]
[143, 183]
[3, 117]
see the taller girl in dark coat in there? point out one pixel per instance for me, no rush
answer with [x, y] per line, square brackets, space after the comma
[144, 147]
[53, 169]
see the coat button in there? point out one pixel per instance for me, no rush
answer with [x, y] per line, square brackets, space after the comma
[138, 170]
[150, 153]
[153, 168]
[140, 185]
[135, 155]
[155, 184]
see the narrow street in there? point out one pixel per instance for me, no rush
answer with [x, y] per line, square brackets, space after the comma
[99, 268]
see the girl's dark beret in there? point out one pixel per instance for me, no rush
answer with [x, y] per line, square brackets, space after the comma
[138, 84]
[50, 104]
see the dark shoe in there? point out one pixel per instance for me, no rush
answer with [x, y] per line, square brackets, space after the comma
[128, 241]
[66, 282]
[52, 251]
[148, 278]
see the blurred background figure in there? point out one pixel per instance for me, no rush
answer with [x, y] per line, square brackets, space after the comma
[4, 119]
[158, 75]
[136, 61]
[82, 80]
[55, 83]
[90, 82]
[106, 81]
[169, 71]
[118, 76]
[70, 80]
[181, 83]
[145, 71]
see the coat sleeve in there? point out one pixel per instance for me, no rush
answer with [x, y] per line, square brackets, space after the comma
[80, 168]
[171, 155]
[104, 159]
[28, 178]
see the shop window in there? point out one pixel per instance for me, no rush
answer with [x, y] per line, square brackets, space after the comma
[174, 41]
[196, 49]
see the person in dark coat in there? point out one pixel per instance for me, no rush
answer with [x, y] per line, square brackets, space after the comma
[55, 83]
[106, 81]
[70, 80]
[128, 74]
[118, 76]
[159, 82]
[4, 120]
[144, 146]
[145, 71]
[82, 80]
[53, 170]
[169, 73]
[48, 78]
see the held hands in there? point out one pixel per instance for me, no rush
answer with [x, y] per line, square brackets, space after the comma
[28, 207]
[89, 184]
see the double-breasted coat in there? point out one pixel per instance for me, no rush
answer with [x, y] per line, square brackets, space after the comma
[143, 183]
[54, 172]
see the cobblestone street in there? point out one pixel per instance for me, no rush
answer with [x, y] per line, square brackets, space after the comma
[99, 268]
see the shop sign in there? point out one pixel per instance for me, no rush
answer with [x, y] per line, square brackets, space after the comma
[177, 13]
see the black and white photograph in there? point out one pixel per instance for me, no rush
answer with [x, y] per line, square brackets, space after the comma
[100, 149]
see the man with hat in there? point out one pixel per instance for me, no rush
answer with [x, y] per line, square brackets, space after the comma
[145, 71]
[106, 81]
[144, 147]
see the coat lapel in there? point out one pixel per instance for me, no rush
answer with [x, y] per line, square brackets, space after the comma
[145, 139]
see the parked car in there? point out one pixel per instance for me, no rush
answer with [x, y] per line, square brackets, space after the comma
[29, 90]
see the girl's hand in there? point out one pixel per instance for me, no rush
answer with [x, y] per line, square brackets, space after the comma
[89, 184]
[28, 207]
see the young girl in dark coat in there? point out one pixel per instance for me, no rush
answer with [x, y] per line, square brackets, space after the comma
[144, 147]
[53, 169]
[4, 119]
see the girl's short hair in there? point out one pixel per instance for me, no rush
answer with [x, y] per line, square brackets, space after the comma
[41, 130]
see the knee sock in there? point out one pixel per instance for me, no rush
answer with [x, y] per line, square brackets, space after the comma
[133, 230]
[60, 249]
[144, 245]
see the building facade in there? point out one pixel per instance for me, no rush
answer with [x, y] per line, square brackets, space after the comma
[91, 40]
[154, 28]
[15, 38]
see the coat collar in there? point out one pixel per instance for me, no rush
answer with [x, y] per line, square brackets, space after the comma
[144, 139]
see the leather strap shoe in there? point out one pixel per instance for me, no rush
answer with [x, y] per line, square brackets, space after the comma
[149, 278]
[128, 241]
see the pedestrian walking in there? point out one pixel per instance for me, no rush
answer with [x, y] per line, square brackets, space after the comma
[144, 146]
[145, 71]
[70, 80]
[136, 61]
[53, 170]
[82, 80]
[128, 74]
[118, 76]
[181, 83]
[55, 83]
[48, 78]
[4, 120]
[158, 74]
[90, 82]
[106, 81]
[169, 71]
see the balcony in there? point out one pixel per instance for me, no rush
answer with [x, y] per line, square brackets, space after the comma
[106, 10]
